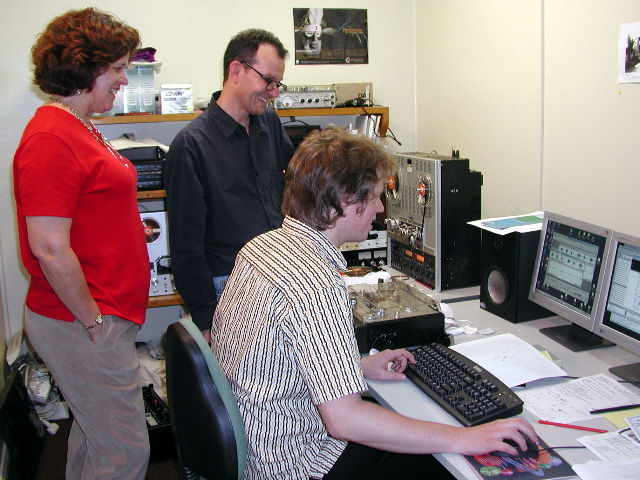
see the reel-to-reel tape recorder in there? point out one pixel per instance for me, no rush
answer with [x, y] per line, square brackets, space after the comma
[430, 199]
[156, 235]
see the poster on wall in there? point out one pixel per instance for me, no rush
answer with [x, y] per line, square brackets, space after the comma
[629, 53]
[330, 36]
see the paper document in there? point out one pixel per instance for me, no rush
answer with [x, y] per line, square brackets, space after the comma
[627, 470]
[629, 435]
[634, 424]
[510, 359]
[617, 418]
[611, 446]
[123, 142]
[573, 400]
[504, 225]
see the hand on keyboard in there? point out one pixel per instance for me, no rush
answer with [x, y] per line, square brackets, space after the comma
[387, 365]
[466, 391]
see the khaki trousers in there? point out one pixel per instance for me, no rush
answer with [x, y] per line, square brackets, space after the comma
[101, 384]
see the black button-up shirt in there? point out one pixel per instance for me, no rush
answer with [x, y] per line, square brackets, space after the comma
[224, 187]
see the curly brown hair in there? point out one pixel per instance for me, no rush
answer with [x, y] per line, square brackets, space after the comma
[77, 47]
[332, 168]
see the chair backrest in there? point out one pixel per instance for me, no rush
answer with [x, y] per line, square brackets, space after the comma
[205, 420]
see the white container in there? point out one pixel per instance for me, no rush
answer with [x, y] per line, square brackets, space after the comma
[176, 98]
[146, 93]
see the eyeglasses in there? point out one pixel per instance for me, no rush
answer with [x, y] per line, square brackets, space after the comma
[271, 84]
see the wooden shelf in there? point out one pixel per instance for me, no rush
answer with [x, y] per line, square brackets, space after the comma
[383, 112]
[118, 119]
[149, 194]
[164, 301]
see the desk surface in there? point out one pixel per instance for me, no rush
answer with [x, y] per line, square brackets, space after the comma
[407, 399]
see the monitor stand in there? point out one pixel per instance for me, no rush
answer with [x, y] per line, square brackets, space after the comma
[630, 373]
[575, 338]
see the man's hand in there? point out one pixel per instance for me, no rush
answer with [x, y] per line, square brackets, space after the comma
[386, 365]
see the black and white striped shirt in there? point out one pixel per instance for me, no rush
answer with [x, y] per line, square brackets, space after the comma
[283, 334]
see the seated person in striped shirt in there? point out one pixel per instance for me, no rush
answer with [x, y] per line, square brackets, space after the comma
[283, 334]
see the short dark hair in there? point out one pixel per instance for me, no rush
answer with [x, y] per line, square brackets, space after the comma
[332, 167]
[244, 45]
[76, 47]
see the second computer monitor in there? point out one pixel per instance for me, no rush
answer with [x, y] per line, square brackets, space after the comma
[567, 278]
[618, 316]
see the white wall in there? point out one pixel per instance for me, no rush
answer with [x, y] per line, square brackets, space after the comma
[190, 36]
[479, 91]
[591, 141]
[528, 92]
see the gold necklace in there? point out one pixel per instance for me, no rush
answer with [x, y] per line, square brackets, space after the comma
[94, 131]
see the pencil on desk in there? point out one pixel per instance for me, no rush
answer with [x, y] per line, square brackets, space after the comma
[577, 427]
[615, 409]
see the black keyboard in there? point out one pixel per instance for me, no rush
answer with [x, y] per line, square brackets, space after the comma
[464, 389]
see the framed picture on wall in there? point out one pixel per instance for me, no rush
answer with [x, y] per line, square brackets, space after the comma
[629, 53]
[330, 36]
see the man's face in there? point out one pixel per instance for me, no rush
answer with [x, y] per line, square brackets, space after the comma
[252, 92]
[356, 223]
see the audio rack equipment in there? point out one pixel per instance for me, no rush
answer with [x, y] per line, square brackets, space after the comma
[305, 99]
[157, 236]
[149, 163]
[371, 252]
[394, 314]
[430, 200]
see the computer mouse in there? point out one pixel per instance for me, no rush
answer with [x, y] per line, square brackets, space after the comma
[532, 450]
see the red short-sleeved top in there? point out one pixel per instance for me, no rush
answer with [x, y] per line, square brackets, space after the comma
[61, 170]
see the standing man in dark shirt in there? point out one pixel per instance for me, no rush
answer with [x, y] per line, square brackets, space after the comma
[224, 174]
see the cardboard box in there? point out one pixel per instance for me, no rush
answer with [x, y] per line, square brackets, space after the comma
[176, 98]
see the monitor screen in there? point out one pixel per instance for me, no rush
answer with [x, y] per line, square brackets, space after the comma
[618, 316]
[567, 275]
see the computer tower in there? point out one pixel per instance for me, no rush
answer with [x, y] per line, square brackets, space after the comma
[430, 200]
[507, 265]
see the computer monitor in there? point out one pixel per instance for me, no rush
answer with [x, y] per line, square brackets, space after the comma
[618, 317]
[567, 278]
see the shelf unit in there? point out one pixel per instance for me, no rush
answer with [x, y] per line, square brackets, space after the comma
[164, 301]
[292, 113]
[382, 112]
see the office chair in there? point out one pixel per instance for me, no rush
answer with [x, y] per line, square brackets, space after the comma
[205, 420]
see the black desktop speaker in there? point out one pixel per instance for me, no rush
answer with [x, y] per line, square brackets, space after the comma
[507, 268]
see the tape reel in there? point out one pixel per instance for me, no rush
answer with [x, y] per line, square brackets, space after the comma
[393, 187]
[152, 229]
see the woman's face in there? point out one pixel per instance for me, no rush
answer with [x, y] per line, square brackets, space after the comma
[107, 84]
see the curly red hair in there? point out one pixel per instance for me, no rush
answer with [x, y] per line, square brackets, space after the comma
[77, 47]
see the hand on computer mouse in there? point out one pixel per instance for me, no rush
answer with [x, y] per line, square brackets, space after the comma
[489, 437]
[532, 450]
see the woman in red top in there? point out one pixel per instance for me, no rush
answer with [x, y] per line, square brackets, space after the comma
[82, 243]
